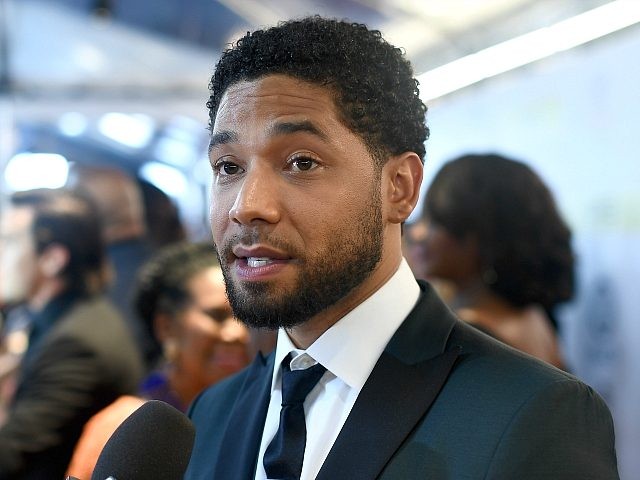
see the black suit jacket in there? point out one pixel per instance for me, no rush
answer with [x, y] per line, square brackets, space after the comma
[444, 401]
[83, 364]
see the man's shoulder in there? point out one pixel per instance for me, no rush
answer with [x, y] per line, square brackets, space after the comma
[491, 362]
[494, 380]
[93, 329]
[501, 409]
[96, 306]
[222, 392]
[220, 397]
[483, 361]
[211, 413]
[95, 320]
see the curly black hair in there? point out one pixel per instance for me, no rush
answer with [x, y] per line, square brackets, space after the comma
[375, 92]
[522, 239]
[161, 283]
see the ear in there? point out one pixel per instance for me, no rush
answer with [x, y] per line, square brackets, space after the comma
[402, 176]
[53, 260]
[163, 327]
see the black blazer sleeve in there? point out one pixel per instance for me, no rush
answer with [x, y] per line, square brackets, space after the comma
[81, 367]
[562, 432]
[54, 404]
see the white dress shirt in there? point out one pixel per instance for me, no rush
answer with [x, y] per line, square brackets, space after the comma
[349, 350]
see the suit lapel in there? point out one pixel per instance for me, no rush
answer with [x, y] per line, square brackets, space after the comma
[395, 397]
[402, 386]
[241, 441]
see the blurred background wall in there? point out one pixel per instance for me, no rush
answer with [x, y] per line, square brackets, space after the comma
[574, 118]
[124, 83]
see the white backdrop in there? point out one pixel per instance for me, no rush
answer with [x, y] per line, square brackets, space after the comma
[575, 119]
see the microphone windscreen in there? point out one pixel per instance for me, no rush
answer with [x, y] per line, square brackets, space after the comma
[154, 443]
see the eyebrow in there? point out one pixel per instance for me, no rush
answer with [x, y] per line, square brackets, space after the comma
[282, 128]
[286, 128]
[221, 138]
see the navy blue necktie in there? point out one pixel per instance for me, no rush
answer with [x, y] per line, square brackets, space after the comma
[284, 455]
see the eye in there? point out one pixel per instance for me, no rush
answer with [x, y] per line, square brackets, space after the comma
[303, 163]
[226, 168]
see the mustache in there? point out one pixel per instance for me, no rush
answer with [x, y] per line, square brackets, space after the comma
[252, 237]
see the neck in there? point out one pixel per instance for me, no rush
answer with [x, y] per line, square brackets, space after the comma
[308, 332]
[180, 386]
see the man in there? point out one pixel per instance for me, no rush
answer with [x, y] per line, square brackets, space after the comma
[119, 201]
[80, 356]
[317, 139]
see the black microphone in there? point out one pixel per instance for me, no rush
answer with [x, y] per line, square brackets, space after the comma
[154, 443]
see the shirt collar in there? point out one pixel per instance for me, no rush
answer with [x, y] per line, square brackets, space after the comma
[351, 347]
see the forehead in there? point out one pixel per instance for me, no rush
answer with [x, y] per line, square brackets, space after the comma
[273, 97]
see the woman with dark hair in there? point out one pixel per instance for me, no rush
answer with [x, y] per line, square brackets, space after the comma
[180, 295]
[492, 232]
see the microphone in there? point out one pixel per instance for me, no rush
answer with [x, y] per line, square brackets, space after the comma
[153, 443]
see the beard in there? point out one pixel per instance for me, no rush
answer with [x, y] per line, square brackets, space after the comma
[348, 259]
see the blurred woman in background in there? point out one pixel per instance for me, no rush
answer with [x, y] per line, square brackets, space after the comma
[490, 231]
[180, 295]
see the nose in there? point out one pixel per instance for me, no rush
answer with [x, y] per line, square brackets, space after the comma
[257, 199]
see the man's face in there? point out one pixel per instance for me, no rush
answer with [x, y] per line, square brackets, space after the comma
[297, 215]
[17, 255]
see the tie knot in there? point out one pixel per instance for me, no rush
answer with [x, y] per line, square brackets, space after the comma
[296, 384]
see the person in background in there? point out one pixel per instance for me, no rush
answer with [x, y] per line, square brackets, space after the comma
[492, 232]
[14, 340]
[119, 201]
[15, 323]
[316, 148]
[413, 235]
[80, 356]
[180, 296]
[161, 216]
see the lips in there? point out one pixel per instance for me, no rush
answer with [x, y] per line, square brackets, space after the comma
[258, 255]
[259, 262]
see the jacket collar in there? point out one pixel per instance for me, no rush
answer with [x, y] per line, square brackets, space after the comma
[241, 441]
[400, 390]
[402, 386]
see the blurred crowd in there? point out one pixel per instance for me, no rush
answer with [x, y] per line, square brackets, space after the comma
[106, 302]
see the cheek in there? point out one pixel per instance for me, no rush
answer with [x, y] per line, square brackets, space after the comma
[328, 219]
[198, 331]
[219, 219]
[197, 349]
